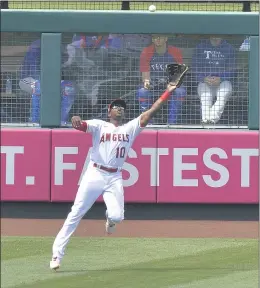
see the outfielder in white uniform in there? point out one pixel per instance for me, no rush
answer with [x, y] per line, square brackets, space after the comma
[111, 143]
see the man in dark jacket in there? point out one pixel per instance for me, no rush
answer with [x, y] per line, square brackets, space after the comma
[213, 66]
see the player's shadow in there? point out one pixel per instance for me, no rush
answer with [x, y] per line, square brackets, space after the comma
[81, 271]
[156, 269]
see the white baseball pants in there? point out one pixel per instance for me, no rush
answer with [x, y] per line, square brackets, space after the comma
[208, 93]
[95, 182]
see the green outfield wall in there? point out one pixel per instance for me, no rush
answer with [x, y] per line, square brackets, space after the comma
[53, 23]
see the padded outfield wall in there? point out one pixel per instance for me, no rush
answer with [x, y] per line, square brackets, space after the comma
[164, 166]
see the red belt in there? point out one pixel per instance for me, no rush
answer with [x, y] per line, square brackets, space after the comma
[107, 169]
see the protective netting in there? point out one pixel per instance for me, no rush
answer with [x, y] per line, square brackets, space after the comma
[97, 69]
[16, 103]
[139, 5]
[113, 66]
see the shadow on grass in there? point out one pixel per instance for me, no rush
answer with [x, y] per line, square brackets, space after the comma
[78, 271]
[151, 269]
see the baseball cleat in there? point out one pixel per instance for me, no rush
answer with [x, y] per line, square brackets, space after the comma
[110, 227]
[54, 264]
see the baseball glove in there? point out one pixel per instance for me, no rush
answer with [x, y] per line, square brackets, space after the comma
[176, 74]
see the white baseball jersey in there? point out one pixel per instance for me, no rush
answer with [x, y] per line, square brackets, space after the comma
[111, 143]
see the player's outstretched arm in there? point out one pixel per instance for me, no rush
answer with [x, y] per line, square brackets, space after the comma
[78, 124]
[149, 114]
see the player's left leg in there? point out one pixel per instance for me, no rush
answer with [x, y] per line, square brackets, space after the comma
[90, 188]
[224, 91]
[206, 95]
[114, 200]
[175, 104]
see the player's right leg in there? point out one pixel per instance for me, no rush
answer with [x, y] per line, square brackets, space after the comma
[206, 98]
[144, 98]
[91, 187]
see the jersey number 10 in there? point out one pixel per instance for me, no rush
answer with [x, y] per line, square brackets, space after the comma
[120, 152]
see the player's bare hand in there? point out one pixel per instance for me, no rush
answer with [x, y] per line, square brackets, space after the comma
[208, 80]
[76, 122]
[215, 81]
[146, 84]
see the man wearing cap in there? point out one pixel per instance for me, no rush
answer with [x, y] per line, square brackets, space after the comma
[153, 62]
[111, 142]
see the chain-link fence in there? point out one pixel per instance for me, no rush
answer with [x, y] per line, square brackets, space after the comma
[139, 5]
[16, 103]
[99, 68]
[115, 66]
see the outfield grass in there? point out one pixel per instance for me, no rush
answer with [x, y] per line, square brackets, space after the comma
[119, 262]
[73, 5]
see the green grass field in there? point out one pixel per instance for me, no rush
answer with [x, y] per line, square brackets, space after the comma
[131, 263]
[74, 5]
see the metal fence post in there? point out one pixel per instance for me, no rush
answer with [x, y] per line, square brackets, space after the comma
[50, 80]
[253, 119]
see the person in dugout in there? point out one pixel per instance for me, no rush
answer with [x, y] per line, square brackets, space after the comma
[30, 72]
[214, 68]
[153, 62]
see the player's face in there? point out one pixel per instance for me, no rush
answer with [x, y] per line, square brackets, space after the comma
[117, 112]
[159, 40]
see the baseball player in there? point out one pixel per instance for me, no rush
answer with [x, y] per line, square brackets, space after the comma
[111, 143]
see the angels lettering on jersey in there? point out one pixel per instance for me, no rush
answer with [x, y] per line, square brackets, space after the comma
[114, 137]
[111, 143]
